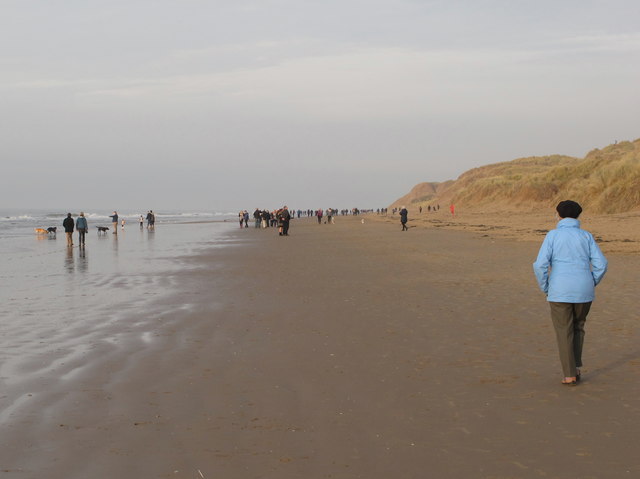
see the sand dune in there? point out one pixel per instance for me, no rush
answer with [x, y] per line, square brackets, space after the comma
[606, 181]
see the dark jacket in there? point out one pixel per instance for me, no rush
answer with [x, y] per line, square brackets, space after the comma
[68, 224]
[284, 215]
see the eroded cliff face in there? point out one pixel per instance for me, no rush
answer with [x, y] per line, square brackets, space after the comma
[421, 193]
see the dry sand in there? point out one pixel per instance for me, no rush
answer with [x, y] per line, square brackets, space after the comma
[616, 233]
[351, 350]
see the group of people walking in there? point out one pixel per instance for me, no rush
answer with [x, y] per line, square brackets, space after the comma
[268, 219]
[261, 218]
[80, 224]
[281, 218]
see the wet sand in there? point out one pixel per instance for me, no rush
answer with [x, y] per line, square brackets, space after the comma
[351, 350]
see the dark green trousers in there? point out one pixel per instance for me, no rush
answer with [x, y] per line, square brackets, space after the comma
[568, 321]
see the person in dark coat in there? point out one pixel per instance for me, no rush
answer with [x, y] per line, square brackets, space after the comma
[404, 218]
[266, 217]
[114, 222]
[68, 228]
[284, 217]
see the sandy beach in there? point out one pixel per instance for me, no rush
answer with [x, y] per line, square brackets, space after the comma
[351, 350]
[616, 233]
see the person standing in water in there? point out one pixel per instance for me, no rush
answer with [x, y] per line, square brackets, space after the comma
[114, 222]
[568, 268]
[151, 220]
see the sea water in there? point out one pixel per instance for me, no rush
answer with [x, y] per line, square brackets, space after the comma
[21, 222]
[57, 301]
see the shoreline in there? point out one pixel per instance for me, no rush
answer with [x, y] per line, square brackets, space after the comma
[347, 350]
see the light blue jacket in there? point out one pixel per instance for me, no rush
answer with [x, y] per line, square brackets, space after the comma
[81, 222]
[569, 264]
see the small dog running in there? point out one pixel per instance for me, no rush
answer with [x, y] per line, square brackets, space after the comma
[102, 229]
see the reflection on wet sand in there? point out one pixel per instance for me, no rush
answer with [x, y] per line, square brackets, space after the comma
[68, 260]
[150, 236]
[115, 244]
[83, 263]
[70, 263]
[50, 237]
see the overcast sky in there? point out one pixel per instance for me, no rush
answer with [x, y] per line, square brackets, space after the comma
[230, 104]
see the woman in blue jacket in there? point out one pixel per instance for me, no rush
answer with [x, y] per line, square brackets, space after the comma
[568, 268]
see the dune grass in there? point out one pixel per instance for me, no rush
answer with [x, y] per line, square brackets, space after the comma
[605, 181]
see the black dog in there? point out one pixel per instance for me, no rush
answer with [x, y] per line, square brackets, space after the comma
[102, 229]
[52, 230]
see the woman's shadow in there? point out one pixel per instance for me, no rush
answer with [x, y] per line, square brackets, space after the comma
[615, 364]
